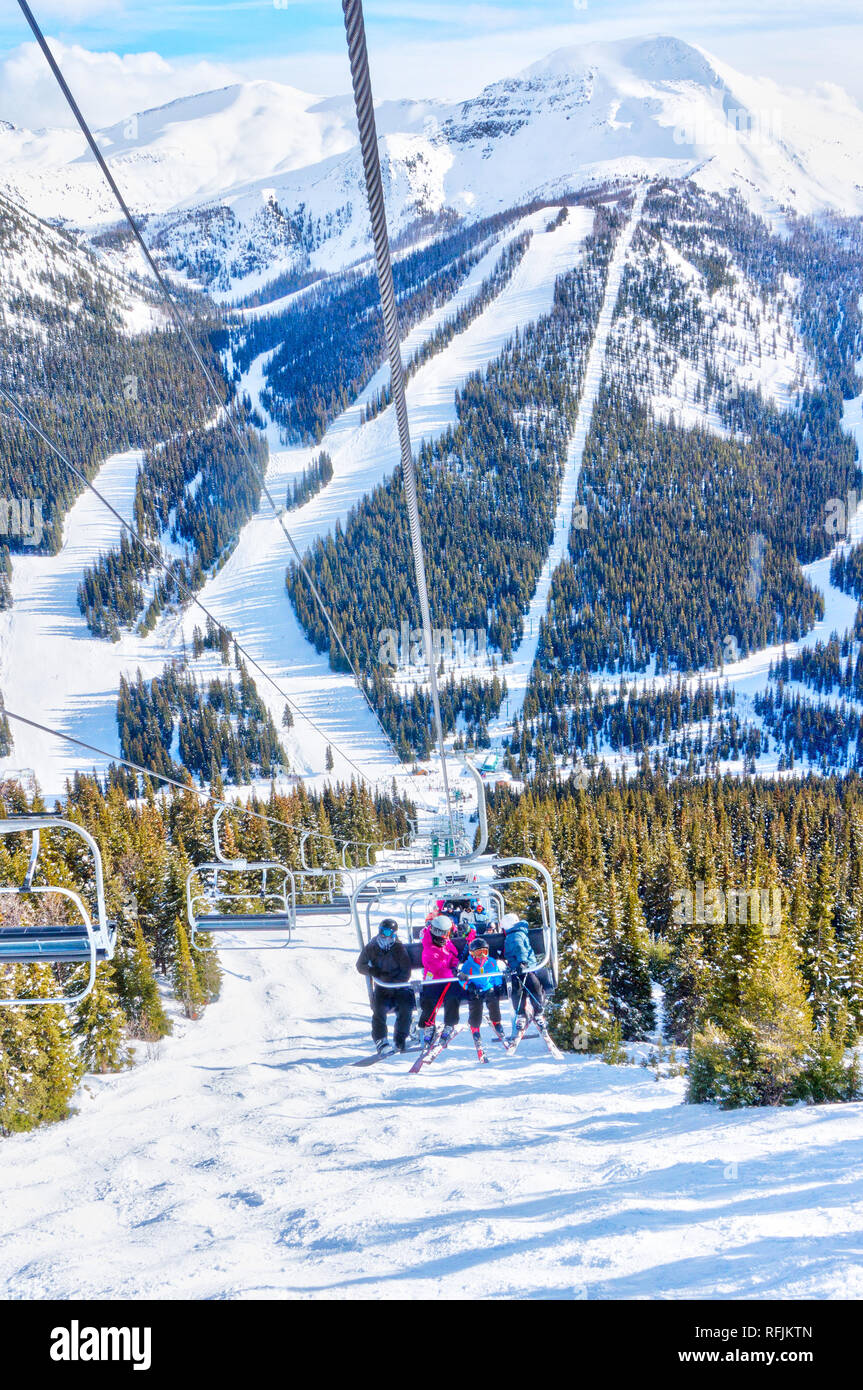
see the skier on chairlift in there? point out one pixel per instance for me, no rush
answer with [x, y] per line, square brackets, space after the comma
[385, 960]
[440, 963]
[483, 980]
[522, 962]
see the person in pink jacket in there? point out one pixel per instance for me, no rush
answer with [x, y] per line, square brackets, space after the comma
[440, 963]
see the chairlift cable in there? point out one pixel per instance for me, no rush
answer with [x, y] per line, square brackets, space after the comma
[171, 781]
[180, 322]
[355, 29]
[158, 559]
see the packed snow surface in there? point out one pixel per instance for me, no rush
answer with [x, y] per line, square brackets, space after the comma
[246, 1158]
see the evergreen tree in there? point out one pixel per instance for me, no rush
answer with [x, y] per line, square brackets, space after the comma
[138, 992]
[687, 980]
[19, 1059]
[100, 1024]
[819, 955]
[625, 963]
[50, 1044]
[187, 986]
[207, 967]
[579, 1015]
[758, 1058]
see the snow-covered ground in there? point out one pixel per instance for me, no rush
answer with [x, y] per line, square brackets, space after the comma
[518, 671]
[52, 670]
[248, 1159]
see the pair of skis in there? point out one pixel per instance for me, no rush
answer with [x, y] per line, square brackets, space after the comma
[521, 1025]
[435, 1047]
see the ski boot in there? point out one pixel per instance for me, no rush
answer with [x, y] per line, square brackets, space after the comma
[480, 1055]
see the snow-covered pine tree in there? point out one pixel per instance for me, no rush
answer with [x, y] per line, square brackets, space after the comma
[187, 986]
[758, 1057]
[625, 962]
[687, 979]
[817, 940]
[665, 877]
[851, 965]
[100, 1025]
[580, 1014]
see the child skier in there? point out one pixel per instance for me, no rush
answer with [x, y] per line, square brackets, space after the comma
[483, 980]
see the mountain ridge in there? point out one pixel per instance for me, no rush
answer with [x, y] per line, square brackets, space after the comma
[217, 165]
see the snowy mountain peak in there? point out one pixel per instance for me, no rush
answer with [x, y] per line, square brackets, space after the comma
[258, 179]
[659, 58]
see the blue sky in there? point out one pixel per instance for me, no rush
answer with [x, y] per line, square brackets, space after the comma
[445, 48]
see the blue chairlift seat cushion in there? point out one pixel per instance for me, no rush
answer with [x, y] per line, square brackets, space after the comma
[23, 945]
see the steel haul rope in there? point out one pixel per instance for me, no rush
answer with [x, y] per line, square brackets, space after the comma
[355, 29]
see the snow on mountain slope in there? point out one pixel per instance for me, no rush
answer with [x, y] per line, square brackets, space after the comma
[215, 166]
[51, 668]
[192, 148]
[41, 262]
[247, 1159]
[248, 594]
[518, 671]
[73, 685]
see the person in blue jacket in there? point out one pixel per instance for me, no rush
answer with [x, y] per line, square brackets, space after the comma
[521, 960]
[483, 982]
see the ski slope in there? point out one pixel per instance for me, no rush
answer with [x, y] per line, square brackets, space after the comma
[246, 1158]
[249, 596]
[53, 670]
[518, 672]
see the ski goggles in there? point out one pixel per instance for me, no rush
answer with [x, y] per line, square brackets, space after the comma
[478, 950]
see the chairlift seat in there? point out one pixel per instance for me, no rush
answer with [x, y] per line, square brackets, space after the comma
[244, 921]
[87, 941]
[55, 944]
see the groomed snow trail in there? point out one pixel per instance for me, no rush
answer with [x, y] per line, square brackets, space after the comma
[51, 668]
[518, 671]
[248, 595]
[251, 1160]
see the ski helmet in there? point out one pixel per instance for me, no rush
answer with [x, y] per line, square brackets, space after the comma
[440, 927]
[478, 944]
[388, 927]
[509, 920]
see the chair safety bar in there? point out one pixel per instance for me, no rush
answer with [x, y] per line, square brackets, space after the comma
[282, 919]
[56, 944]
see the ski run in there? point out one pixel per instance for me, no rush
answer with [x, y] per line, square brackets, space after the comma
[245, 1158]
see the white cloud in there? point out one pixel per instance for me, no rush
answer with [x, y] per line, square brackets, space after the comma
[107, 86]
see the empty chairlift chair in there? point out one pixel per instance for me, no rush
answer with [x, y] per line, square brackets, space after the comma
[322, 885]
[214, 906]
[84, 941]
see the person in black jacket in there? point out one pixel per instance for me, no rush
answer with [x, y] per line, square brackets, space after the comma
[386, 961]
